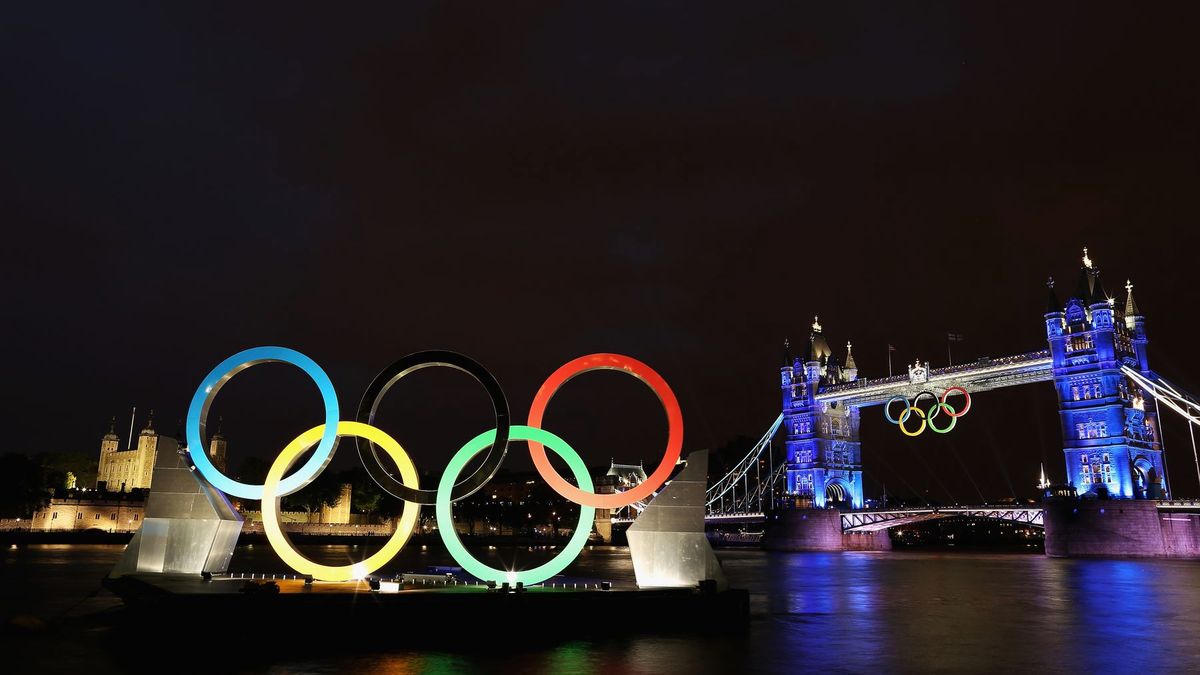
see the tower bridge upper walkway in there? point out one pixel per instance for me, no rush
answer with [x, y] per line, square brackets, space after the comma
[980, 375]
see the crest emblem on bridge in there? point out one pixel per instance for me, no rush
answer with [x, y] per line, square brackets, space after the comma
[918, 373]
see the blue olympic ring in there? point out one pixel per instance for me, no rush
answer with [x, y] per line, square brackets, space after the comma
[212, 383]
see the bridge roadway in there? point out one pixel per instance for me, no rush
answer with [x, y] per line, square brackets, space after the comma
[868, 520]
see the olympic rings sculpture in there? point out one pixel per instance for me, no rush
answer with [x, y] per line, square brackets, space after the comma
[370, 440]
[939, 405]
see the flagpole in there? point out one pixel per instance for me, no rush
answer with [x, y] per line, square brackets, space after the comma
[949, 356]
[890, 350]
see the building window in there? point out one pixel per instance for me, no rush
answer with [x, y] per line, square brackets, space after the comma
[112, 516]
[1083, 459]
[1105, 458]
[1096, 390]
[135, 516]
[97, 517]
[79, 516]
[1074, 393]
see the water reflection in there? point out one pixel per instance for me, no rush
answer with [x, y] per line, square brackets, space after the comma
[842, 612]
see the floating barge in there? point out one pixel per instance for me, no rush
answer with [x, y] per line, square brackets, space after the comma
[423, 611]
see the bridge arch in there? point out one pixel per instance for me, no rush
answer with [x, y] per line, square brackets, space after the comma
[838, 493]
[1145, 475]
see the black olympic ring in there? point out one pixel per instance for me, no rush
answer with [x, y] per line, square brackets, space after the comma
[391, 375]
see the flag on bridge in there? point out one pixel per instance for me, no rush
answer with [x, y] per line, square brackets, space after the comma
[955, 337]
[891, 348]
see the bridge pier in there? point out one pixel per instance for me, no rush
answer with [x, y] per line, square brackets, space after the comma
[1134, 528]
[818, 530]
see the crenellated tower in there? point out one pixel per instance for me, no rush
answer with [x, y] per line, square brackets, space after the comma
[823, 448]
[1111, 440]
[218, 446]
[124, 470]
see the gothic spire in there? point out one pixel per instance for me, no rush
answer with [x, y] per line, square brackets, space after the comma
[850, 356]
[1052, 303]
[1131, 308]
[1083, 289]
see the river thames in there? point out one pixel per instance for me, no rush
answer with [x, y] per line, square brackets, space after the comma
[831, 612]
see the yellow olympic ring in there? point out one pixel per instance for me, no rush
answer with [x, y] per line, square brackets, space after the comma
[270, 504]
[903, 416]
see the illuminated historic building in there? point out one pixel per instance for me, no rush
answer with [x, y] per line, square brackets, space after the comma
[217, 447]
[337, 514]
[89, 512]
[1111, 439]
[823, 450]
[1110, 426]
[125, 470]
[132, 469]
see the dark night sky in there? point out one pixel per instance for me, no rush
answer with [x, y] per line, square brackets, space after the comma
[676, 181]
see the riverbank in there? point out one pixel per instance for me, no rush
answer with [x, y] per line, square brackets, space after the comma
[251, 538]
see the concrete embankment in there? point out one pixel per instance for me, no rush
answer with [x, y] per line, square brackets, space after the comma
[819, 530]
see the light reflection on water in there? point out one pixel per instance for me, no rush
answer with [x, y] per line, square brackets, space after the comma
[849, 612]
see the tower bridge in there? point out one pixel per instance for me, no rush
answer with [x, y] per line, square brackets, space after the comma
[1109, 403]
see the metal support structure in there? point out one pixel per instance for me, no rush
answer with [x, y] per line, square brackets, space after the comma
[1182, 404]
[715, 501]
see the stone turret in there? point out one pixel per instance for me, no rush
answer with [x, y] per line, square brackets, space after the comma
[850, 371]
[217, 447]
[1135, 323]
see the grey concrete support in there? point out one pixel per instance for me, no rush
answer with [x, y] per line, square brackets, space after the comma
[189, 526]
[667, 540]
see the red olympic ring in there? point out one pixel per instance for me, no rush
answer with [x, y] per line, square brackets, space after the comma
[965, 408]
[648, 377]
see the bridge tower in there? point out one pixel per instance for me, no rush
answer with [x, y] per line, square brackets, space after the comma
[824, 454]
[1111, 438]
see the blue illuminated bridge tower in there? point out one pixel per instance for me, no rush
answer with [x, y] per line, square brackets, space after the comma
[1111, 436]
[1096, 361]
[824, 454]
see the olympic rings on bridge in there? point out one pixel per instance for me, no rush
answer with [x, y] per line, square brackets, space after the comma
[939, 406]
[369, 439]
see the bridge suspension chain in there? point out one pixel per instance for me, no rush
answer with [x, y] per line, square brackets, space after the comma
[727, 487]
[1180, 403]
